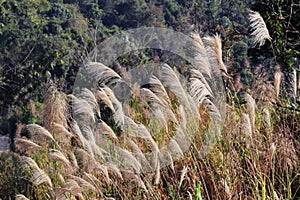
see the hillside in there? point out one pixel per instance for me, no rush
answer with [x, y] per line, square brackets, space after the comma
[142, 99]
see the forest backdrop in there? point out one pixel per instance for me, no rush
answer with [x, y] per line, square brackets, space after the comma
[45, 41]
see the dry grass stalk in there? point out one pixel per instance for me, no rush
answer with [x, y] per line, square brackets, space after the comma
[246, 127]
[82, 110]
[83, 183]
[157, 174]
[55, 108]
[39, 176]
[157, 88]
[73, 160]
[226, 188]
[70, 187]
[294, 82]
[106, 130]
[101, 73]
[59, 157]
[272, 150]
[118, 114]
[260, 31]
[37, 132]
[199, 90]
[94, 181]
[21, 197]
[114, 170]
[251, 105]
[298, 82]
[277, 81]
[173, 83]
[266, 118]
[101, 95]
[200, 55]
[182, 176]
[25, 145]
[215, 43]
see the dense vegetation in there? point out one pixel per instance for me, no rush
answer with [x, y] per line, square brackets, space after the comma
[44, 44]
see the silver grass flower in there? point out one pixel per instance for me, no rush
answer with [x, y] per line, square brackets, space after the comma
[128, 161]
[157, 174]
[277, 81]
[82, 110]
[226, 187]
[118, 114]
[214, 51]
[172, 82]
[251, 105]
[157, 88]
[89, 96]
[59, 157]
[101, 95]
[83, 183]
[260, 31]
[113, 169]
[101, 73]
[21, 197]
[25, 145]
[197, 74]
[266, 118]
[202, 62]
[60, 130]
[158, 107]
[38, 131]
[71, 186]
[139, 155]
[246, 127]
[73, 160]
[140, 131]
[199, 90]
[294, 82]
[182, 176]
[94, 181]
[174, 148]
[39, 176]
[106, 130]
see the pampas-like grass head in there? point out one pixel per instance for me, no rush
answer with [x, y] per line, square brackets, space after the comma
[251, 105]
[25, 145]
[39, 176]
[214, 50]
[55, 108]
[21, 197]
[37, 132]
[277, 81]
[260, 31]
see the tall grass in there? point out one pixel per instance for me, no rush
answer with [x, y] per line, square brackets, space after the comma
[172, 140]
